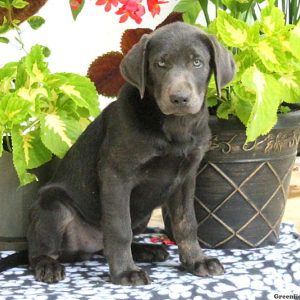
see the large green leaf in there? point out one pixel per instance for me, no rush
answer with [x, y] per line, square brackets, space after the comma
[237, 5]
[186, 5]
[264, 113]
[242, 101]
[33, 95]
[191, 16]
[254, 34]
[34, 64]
[224, 110]
[244, 59]
[272, 20]
[190, 10]
[233, 32]
[79, 88]
[272, 55]
[28, 152]
[59, 132]
[13, 109]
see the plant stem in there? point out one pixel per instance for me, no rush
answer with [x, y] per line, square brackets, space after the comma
[9, 12]
[14, 26]
[283, 6]
[294, 11]
[206, 15]
[19, 39]
[248, 10]
[32, 125]
[254, 13]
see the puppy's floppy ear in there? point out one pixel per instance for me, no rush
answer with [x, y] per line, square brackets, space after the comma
[222, 63]
[134, 64]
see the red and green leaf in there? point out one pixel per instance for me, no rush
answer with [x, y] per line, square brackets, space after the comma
[76, 7]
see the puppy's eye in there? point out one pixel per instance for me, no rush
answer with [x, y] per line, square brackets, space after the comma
[161, 64]
[197, 63]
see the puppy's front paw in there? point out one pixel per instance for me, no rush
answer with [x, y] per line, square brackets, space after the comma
[48, 270]
[133, 277]
[207, 267]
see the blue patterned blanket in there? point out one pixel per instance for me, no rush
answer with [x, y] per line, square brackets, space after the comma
[263, 273]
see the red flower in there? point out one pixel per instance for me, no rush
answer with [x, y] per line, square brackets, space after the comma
[75, 4]
[108, 4]
[153, 6]
[162, 239]
[132, 9]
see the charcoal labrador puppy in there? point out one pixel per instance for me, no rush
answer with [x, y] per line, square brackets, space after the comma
[143, 151]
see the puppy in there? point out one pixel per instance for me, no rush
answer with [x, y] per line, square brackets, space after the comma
[142, 152]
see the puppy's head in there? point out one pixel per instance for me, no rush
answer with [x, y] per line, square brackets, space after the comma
[174, 64]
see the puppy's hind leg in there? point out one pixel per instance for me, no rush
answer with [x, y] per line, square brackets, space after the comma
[48, 221]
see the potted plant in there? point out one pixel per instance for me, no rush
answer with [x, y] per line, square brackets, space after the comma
[255, 136]
[41, 116]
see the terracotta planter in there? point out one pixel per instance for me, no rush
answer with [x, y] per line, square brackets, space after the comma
[242, 189]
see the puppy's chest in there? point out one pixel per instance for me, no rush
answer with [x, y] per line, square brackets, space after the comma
[166, 169]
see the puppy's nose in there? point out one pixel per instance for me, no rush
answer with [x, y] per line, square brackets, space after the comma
[179, 99]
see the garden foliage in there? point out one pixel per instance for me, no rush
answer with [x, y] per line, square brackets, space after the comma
[42, 112]
[266, 51]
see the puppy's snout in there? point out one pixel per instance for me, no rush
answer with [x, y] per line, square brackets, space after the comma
[180, 99]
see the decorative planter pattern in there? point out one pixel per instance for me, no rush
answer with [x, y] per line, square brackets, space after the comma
[242, 189]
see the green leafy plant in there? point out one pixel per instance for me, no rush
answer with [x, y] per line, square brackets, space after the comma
[267, 54]
[246, 10]
[43, 113]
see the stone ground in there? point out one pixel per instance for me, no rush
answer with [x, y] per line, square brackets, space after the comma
[292, 211]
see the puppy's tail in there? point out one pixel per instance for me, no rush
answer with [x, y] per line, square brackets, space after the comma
[14, 260]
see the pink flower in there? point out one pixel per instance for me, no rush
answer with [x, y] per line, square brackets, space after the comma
[154, 6]
[108, 4]
[132, 9]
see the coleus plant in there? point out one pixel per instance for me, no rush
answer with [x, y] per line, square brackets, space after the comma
[134, 9]
[43, 113]
[267, 55]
